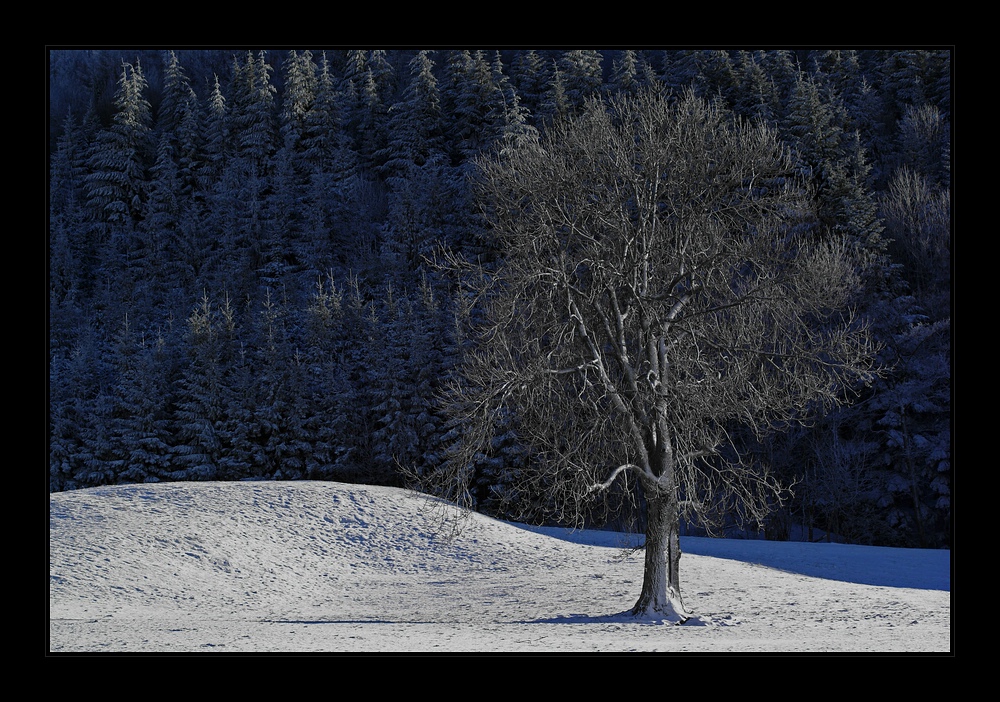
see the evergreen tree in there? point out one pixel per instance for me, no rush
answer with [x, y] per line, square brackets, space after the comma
[416, 126]
[717, 75]
[67, 168]
[530, 80]
[117, 165]
[217, 138]
[190, 152]
[682, 71]
[143, 427]
[555, 105]
[200, 407]
[581, 74]
[240, 212]
[913, 413]
[322, 417]
[324, 141]
[75, 376]
[473, 104]
[69, 257]
[382, 74]
[905, 81]
[508, 119]
[176, 93]
[362, 377]
[355, 74]
[300, 84]
[293, 170]
[811, 126]
[781, 66]
[754, 96]
[332, 172]
[624, 73]
[373, 124]
[839, 71]
[150, 247]
[287, 201]
[252, 112]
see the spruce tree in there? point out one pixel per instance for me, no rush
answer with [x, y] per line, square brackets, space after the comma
[251, 105]
[217, 140]
[118, 162]
[467, 101]
[508, 119]
[416, 126]
[200, 410]
[624, 73]
[175, 95]
[555, 106]
[67, 228]
[754, 96]
[581, 75]
[143, 426]
[528, 72]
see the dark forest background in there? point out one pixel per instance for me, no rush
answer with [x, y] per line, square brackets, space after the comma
[241, 280]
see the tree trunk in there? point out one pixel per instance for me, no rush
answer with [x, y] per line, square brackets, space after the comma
[661, 590]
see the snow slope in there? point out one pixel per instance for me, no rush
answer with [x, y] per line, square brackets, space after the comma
[329, 567]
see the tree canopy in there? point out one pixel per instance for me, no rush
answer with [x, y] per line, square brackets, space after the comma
[655, 292]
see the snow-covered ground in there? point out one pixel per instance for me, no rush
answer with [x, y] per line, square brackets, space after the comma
[316, 566]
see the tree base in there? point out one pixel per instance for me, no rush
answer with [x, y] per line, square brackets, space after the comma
[660, 616]
[668, 607]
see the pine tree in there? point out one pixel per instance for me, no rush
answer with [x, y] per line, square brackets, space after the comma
[555, 105]
[190, 154]
[834, 163]
[624, 73]
[416, 126]
[905, 81]
[755, 96]
[298, 95]
[581, 74]
[332, 170]
[361, 377]
[717, 75]
[67, 229]
[67, 168]
[679, 69]
[471, 103]
[508, 119]
[530, 80]
[217, 138]
[324, 141]
[913, 411]
[239, 202]
[117, 165]
[150, 248]
[373, 124]
[200, 409]
[382, 74]
[252, 112]
[287, 199]
[781, 67]
[74, 381]
[176, 93]
[142, 428]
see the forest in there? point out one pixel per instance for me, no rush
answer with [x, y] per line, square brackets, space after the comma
[245, 278]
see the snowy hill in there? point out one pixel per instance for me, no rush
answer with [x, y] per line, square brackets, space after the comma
[318, 566]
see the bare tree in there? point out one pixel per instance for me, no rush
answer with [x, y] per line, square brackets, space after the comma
[652, 294]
